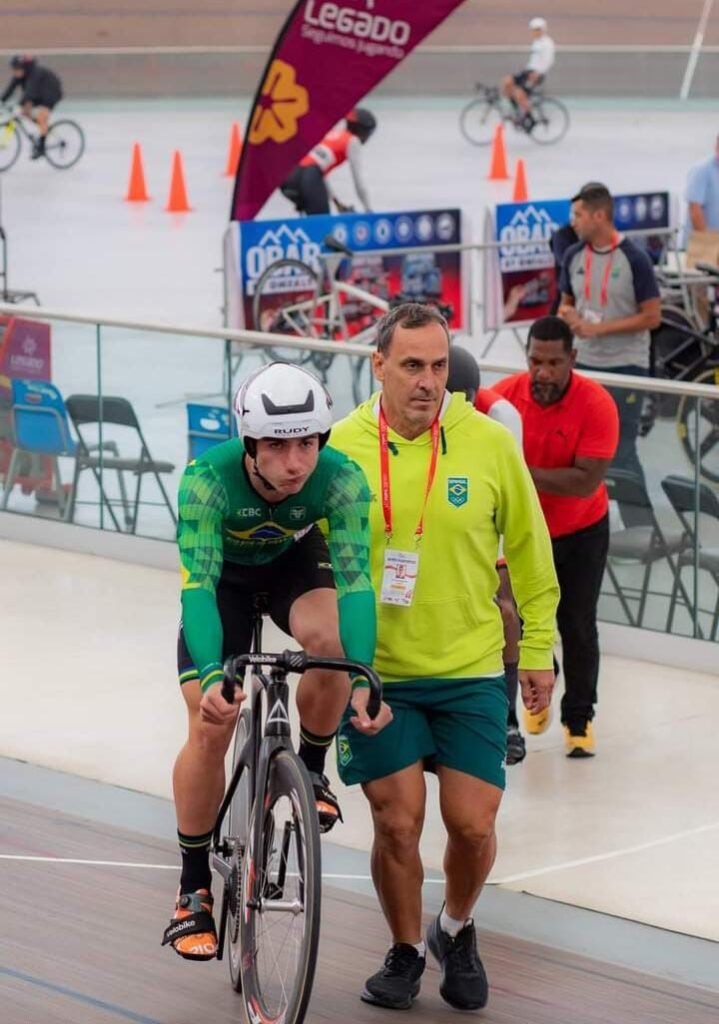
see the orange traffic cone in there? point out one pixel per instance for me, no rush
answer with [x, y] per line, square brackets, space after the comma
[498, 159]
[521, 192]
[233, 153]
[177, 201]
[136, 189]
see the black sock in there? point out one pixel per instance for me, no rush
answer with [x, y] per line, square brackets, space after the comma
[313, 750]
[511, 679]
[196, 872]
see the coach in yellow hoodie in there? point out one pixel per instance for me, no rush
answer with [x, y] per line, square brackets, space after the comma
[446, 484]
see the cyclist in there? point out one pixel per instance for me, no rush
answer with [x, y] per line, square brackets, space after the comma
[519, 88]
[464, 376]
[307, 187]
[41, 92]
[247, 525]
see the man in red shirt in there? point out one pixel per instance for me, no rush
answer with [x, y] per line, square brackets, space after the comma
[570, 434]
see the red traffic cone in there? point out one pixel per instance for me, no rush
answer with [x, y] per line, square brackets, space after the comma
[234, 151]
[498, 160]
[520, 193]
[177, 201]
[136, 189]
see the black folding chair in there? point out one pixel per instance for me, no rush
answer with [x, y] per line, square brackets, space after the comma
[689, 503]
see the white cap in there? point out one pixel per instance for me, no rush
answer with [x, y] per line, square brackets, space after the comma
[538, 23]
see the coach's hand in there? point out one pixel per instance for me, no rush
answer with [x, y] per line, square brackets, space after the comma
[537, 686]
[215, 710]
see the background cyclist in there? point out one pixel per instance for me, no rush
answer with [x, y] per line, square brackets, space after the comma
[247, 515]
[41, 92]
[519, 87]
[307, 185]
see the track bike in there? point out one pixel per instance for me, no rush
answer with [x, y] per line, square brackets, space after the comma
[266, 841]
[479, 119]
[64, 142]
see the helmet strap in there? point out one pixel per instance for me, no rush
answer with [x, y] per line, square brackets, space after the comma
[256, 470]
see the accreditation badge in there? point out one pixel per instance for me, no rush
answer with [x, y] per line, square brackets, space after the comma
[399, 577]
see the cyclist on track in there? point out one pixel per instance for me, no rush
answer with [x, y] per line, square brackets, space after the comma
[464, 377]
[307, 186]
[41, 92]
[519, 88]
[248, 511]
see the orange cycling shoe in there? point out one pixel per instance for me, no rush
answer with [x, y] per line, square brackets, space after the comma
[191, 932]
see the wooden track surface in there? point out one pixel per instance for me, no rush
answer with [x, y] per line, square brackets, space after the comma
[81, 945]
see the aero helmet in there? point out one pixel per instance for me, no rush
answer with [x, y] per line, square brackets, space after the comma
[282, 401]
[463, 372]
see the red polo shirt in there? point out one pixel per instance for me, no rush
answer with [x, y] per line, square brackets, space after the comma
[585, 422]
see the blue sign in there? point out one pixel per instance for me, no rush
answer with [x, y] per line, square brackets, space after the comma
[532, 225]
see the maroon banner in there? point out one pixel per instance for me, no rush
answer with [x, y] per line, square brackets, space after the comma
[326, 58]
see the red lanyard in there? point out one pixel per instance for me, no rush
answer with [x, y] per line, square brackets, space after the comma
[588, 257]
[384, 470]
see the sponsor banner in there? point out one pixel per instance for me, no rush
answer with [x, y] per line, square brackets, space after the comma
[525, 263]
[328, 55]
[251, 247]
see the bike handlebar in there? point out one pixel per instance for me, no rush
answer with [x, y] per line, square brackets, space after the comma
[299, 662]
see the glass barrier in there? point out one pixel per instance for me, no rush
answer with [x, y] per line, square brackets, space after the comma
[104, 445]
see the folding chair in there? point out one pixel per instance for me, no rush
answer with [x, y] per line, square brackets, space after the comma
[686, 502]
[207, 425]
[110, 410]
[646, 545]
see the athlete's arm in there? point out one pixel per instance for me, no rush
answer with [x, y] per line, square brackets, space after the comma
[528, 551]
[354, 158]
[348, 537]
[202, 507]
[14, 84]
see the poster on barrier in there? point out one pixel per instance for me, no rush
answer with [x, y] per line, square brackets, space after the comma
[525, 262]
[253, 295]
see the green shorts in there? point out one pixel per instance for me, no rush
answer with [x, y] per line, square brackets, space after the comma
[459, 723]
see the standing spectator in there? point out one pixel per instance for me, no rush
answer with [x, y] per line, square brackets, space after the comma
[41, 92]
[464, 377]
[570, 429]
[610, 300]
[448, 484]
[702, 194]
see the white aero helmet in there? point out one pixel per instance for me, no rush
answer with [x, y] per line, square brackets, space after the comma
[538, 23]
[282, 401]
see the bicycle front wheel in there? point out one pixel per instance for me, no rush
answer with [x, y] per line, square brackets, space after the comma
[698, 427]
[9, 144]
[238, 833]
[281, 892]
[479, 120]
[285, 303]
[64, 144]
[551, 121]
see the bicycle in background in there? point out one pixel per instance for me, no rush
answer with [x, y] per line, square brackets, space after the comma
[479, 119]
[266, 840]
[64, 142]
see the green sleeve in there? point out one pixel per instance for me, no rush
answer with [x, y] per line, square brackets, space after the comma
[202, 508]
[528, 550]
[348, 537]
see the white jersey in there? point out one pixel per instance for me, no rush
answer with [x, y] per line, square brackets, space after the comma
[541, 55]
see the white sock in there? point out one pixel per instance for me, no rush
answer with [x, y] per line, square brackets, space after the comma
[419, 946]
[450, 925]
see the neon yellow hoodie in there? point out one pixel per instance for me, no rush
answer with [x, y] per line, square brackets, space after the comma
[482, 489]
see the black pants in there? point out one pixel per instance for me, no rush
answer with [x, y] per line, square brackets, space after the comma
[579, 559]
[306, 188]
[629, 404]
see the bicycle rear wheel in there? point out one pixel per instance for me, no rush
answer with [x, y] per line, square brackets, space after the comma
[238, 825]
[64, 144]
[698, 426]
[551, 120]
[285, 303]
[281, 892]
[9, 144]
[478, 121]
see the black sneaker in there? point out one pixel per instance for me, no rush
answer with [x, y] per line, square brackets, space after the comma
[464, 982]
[328, 808]
[397, 984]
[516, 747]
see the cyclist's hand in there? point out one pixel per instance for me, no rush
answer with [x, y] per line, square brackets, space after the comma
[537, 686]
[215, 710]
[361, 720]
